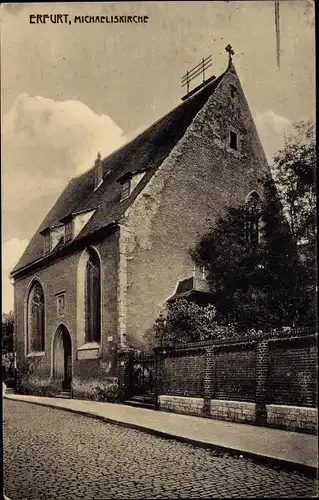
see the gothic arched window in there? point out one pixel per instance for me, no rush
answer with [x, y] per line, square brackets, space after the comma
[36, 333]
[93, 298]
[253, 210]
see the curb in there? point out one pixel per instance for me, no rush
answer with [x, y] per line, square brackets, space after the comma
[307, 470]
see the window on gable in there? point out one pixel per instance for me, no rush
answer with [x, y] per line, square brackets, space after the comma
[126, 188]
[35, 312]
[253, 218]
[233, 140]
[57, 236]
[233, 91]
[93, 298]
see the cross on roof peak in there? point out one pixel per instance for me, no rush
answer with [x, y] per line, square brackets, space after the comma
[230, 51]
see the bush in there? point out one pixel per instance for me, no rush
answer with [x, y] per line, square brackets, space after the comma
[106, 392]
[186, 322]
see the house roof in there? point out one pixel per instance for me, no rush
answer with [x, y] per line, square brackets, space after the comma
[186, 289]
[146, 153]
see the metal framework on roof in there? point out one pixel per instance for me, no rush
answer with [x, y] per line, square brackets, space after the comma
[198, 70]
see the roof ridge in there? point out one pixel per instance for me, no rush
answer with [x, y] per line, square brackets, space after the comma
[147, 150]
[148, 127]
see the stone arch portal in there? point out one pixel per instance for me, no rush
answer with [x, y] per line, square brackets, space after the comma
[62, 357]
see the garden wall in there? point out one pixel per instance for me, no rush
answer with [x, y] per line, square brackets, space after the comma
[267, 379]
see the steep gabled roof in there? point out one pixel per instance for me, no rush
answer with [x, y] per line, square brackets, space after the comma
[144, 153]
[187, 289]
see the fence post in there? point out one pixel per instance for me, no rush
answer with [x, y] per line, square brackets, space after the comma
[156, 388]
[123, 375]
[208, 379]
[261, 382]
[159, 361]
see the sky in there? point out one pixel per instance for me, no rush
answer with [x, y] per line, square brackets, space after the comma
[71, 90]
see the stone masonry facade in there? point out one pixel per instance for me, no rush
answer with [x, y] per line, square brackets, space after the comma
[200, 178]
[148, 253]
[61, 276]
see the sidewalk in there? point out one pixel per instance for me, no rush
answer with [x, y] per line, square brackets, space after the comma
[291, 449]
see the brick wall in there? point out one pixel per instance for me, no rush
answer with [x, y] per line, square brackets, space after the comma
[184, 375]
[264, 380]
[235, 373]
[292, 372]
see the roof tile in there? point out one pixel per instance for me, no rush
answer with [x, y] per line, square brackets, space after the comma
[146, 152]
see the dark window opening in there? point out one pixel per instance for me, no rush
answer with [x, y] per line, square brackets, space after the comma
[233, 140]
[253, 218]
[36, 319]
[233, 91]
[93, 299]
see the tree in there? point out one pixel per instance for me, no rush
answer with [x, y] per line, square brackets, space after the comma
[294, 171]
[7, 332]
[185, 321]
[252, 274]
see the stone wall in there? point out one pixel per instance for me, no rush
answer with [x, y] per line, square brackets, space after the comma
[294, 418]
[200, 178]
[237, 411]
[179, 404]
[35, 369]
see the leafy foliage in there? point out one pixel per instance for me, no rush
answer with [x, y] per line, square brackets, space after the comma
[294, 171]
[185, 322]
[7, 332]
[253, 283]
[261, 283]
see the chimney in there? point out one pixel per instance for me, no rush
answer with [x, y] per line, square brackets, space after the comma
[98, 171]
[199, 278]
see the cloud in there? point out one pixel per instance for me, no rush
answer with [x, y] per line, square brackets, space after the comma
[44, 144]
[272, 129]
[61, 127]
[13, 9]
[273, 121]
[11, 253]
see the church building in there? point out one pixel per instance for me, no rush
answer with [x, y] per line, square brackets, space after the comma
[115, 246]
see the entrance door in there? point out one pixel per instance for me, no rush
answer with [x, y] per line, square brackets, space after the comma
[62, 358]
[66, 384]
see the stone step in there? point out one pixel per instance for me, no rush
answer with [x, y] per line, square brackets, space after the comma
[9, 390]
[139, 404]
[142, 401]
[64, 394]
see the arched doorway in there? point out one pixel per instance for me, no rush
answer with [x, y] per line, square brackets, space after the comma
[62, 357]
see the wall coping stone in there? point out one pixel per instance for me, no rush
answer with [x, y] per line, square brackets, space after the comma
[291, 409]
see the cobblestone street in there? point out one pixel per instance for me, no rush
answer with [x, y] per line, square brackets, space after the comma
[50, 453]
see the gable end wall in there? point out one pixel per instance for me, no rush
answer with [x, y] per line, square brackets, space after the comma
[194, 185]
